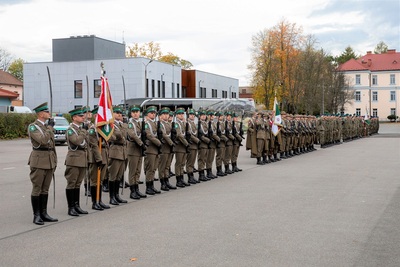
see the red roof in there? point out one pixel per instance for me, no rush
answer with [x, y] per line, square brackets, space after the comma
[374, 62]
[8, 94]
[7, 78]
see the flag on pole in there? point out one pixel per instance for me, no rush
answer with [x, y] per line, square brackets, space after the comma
[276, 126]
[104, 118]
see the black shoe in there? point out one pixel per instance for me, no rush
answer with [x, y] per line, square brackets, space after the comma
[149, 190]
[35, 201]
[77, 206]
[105, 186]
[164, 186]
[154, 189]
[113, 184]
[95, 205]
[116, 194]
[71, 202]
[170, 186]
[202, 177]
[227, 170]
[134, 194]
[43, 209]
[191, 179]
[179, 182]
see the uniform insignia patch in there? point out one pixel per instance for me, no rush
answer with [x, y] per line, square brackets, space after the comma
[70, 132]
[32, 128]
[130, 126]
[146, 126]
[91, 131]
[176, 125]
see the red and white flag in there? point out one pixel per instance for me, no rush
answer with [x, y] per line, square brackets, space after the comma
[104, 118]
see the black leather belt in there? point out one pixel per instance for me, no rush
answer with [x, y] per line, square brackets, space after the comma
[43, 149]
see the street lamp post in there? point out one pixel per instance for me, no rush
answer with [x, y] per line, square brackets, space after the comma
[146, 85]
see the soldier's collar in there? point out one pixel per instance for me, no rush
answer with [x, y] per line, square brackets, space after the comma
[42, 122]
[76, 125]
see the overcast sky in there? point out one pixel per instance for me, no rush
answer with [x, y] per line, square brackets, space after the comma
[214, 35]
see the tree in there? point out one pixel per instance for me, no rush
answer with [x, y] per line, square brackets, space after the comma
[346, 55]
[153, 51]
[5, 59]
[16, 69]
[381, 48]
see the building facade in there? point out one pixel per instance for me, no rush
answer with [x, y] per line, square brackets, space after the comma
[75, 76]
[11, 90]
[375, 79]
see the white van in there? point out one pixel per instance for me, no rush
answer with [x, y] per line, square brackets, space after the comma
[19, 109]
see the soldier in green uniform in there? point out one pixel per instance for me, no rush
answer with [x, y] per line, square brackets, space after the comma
[251, 139]
[181, 147]
[42, 162]
[167, 146]
[117, 155]
[171, 155]
[214, 141]
[76, 161]
[87, 124]
[203, 146]
[229, 142]
[237, 143]
[135, 150]
[191, 137]
[261, 137]
[223, 139]
[97, 162]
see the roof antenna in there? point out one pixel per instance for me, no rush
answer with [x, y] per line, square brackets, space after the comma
[123, 37]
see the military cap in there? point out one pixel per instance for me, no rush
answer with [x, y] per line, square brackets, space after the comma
[134, 108]
[117, 109]
[180, 111]
[171, 113]
[151, 109]
[218, 114]
[86, 109]
[202, 112]
[228, 113]
[192, 111]
[95, 110]
[76, 111]
[164, 110]
[210, 112]
[41, 107]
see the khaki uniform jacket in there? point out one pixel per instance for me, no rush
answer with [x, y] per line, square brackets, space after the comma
[152, 141]
[94, 151]
[167, 142]
[43, 155]
[77, 155]
[222, 137]
[260, 126]
[229, 133]
[204, 133]
[214, 136]
[238, 138]
[192, 128]
[181, 142]
[117, 148]
[251, 140]
[134, 138]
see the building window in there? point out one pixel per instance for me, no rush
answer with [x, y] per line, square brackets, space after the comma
[244, 91]
[173, 89]
[184, 91]
[393, 111]
[97, 88]
[374, 79]
[163, 89]
[233, 94]
[392, 79]
[147, 87]
[375, 96]
[214, 93]
[224, 94]
[153, 88]
[203, 92]
[78, 89]
[77, 106]
[358, 96]
[159, 88]
[375, 112]
[392, 95]
[178, 90]
[358, 111]
[358, 79]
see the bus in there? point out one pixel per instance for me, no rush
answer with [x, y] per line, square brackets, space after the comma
[241, 106]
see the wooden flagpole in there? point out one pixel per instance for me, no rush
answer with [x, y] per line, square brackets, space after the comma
[98, 175]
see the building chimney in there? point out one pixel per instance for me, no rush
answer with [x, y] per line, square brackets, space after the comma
[369, 62]
[369, 52]
[391, 51]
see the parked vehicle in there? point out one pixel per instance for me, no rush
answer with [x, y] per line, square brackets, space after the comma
[60, 127]
[15, 109]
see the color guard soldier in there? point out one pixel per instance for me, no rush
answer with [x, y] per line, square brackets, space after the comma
[42, 162]
[135, 151]
[237, 143]
[219, 158]
[167, 146]
[117, 155]
[267, 142]
[229, 142]
[76, 161]
[88, 123]
[97, 162]
[191, 137]
[181, 147]
[153, 145]
[214, 141]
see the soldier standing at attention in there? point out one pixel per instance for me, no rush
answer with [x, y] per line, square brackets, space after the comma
[117, 154]
[251, 140]
[171, 155]
[191, 137]
[260, 126]
[76, 161]
[229, 142]
[88, 122]
[135, 152]
[181, 148]
[203, 146]
[97, 161]
[42, 162]
[223, 139]
[153, 145]
[214, 141]
[237, 143]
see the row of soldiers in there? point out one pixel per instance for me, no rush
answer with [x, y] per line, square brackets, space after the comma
[141, 142]
[297, 134]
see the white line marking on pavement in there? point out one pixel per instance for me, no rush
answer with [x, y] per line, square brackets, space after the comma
[9, 168]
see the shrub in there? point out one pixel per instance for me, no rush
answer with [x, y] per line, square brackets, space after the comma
[15, 125]
[392, 117]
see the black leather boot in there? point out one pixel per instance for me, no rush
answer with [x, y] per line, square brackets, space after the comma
[283, 155]
[202, 176]
[209, 174]
[191, 179]
[179, 182]
[87, 190]
[116, 193]
[184, 182]
[105, 186]
[149, 190]
[171, 173]
[77, 198]
[71, 202]
[235, 167]
[170, 186]
[227, 170]
[154, 189]
[104, 206]
[219, 171]
[95, 205]
[111, 188]
[35, 200]
[43, 209]
[133, 194]
[164, 186]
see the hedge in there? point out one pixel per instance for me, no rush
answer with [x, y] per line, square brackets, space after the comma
[15, 125]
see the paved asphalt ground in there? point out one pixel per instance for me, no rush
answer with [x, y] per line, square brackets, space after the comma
[338, 206]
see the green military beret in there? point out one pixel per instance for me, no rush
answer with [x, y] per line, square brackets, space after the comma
[77, 111]
[180, 111]
[164, 110]
[134, 108]
[192, 111]
[95, 110]
[41, 107]
[210, 112]
[151, 109]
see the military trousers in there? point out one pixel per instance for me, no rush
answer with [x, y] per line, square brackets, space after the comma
[228, 154]
[41, 180]
[235, 153]
[135, 168]
[260, 147]
[74, 176]
[180, 161]
[169, 162]
[93, 170]
[202, 158]
[220, 156]
[210, 158]
[190, 160]
[116, 169]
[150, 166]
[163, 172]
